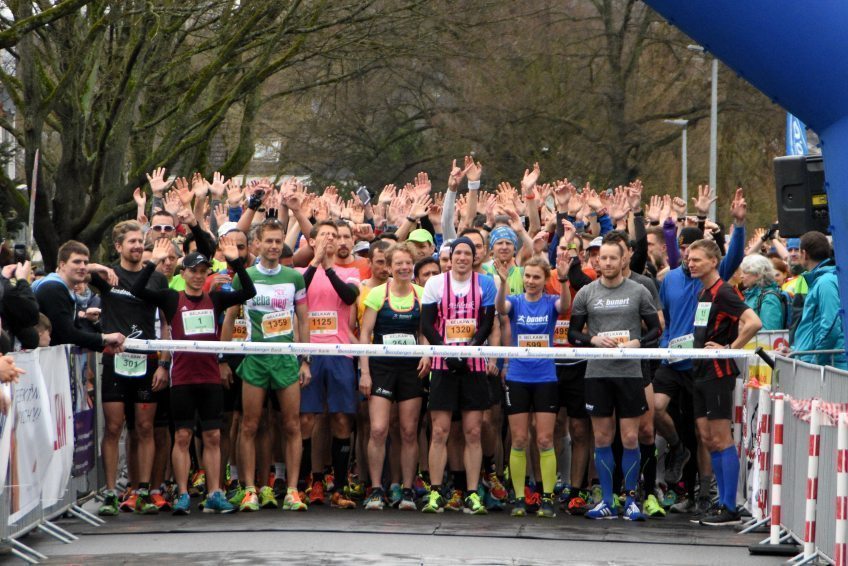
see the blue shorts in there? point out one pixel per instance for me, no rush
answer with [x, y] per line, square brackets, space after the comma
[333, 386]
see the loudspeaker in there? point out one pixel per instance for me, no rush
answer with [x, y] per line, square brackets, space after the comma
[801, 198]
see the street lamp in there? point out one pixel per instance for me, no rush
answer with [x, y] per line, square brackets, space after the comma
[684, 191]
[713, 125]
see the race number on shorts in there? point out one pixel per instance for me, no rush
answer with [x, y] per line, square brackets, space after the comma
[131, 365]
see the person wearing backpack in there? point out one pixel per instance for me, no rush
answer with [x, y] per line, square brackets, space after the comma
[762, 293]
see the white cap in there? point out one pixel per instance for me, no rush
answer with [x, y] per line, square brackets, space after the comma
[596, 243]
[226, 228]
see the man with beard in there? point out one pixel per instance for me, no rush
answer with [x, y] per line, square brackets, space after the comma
[344, 252]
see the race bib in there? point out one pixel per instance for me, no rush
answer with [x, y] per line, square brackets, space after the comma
[240, 330]
[685, 341]
[561, 332]
[199, 322]
[131, 365]
[460, 330]
[399, 339]
[619, 336]
[323, 323]
[276, 324]
[702, 315]
[532, 340]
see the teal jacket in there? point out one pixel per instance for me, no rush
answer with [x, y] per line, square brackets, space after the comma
[771, 311]
[820, 327]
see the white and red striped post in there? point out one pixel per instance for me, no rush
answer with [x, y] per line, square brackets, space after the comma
[763, 443]
[812, 480]
[738, 411]
[777, 469]
[840, 551]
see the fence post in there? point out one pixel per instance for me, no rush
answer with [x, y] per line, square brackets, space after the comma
[739, 408]
[840, 551]
[812, 492]
[777, 469]
[763, 442]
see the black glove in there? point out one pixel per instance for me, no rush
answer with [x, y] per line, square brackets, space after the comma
[255, 200]
[455, 364]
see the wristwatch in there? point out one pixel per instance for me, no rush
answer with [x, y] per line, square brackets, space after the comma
[306, 359]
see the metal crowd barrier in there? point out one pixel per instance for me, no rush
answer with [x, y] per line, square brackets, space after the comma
[805, 504]
[85, 475]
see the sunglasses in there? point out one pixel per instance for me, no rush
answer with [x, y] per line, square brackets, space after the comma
[162, 228]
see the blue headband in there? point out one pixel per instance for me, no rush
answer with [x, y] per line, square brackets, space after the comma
[503, 233]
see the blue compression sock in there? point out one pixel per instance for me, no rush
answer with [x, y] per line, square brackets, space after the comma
[718, 472]
[730, 476]
[630, 464]
[605, 464]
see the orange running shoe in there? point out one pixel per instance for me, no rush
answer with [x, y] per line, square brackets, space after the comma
[160, 502]
[316, 493]
[339, 501]
[128, 504]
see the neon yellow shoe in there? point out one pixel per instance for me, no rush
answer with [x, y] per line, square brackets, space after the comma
[250, 502]
[292, 501]
[267, 499]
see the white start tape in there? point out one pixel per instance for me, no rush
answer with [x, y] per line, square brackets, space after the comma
[399, 351]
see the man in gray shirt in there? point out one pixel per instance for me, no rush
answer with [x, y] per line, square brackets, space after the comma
[608, 313]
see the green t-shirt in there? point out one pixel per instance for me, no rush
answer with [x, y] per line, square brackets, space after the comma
[377, 296]
[515, 278]
[177, 283]
[271, 311]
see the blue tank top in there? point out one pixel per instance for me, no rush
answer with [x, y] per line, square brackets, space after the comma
[533, 326]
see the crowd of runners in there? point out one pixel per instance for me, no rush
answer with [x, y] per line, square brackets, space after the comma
[535, 266]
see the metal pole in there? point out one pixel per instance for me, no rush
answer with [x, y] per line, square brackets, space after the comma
[683, 167]
[714, 134]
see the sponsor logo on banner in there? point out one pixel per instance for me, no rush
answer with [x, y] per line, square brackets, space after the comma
[83, 414]
[54, 368]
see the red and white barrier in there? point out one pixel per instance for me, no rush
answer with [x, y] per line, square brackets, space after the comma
[812, 491]
[840, 551]
[739, 399]
[763, 442]
[777, 469]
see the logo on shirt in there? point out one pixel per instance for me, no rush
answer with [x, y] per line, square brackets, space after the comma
[611, 303]
[532, 319]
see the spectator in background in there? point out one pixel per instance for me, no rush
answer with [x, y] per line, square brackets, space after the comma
[762, 293]
[820, 327]
[18, 308]
[781, 271]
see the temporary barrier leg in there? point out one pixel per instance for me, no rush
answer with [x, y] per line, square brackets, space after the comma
[840, 551]
[26, 553]
[810, 553]
[56, 531]
[81, 513]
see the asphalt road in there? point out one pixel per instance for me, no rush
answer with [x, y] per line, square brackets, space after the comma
[336, 537]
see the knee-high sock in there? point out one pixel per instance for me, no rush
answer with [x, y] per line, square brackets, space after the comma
[718, 472]
[605, 464]
[630, 467]
[517, 471]
[648, 453]
[340, 451]
[548, 464]
[306, 460]
[730, 476]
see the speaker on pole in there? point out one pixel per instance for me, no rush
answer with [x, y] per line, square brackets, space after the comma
[801, 197]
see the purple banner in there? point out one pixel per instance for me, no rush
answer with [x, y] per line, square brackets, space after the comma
[84, 421]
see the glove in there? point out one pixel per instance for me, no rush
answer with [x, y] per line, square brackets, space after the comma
[255, 200]
[455, 364]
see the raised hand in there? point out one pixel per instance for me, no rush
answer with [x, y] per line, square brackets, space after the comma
[294, 200]
[158, 184]
[422, 185]
[576, 204]
[357, 211]
[473, 169]
[529, 180]
[186, 216]
[221, 214]
[181, 186]
[667, 211]
[199, 186]
[563, 263]
[619, 208]
[172, 202]
[218, 186]
[455, 177]
[654, 209]
[228, 247]
[388, 193]
[739, 208]
[678, 205]
[421, 206]
[634, 195]
[591, 198]
[363, 232]
[706, 196]
[322, 210]
[161, 250]
[140, 198]
[234, 193]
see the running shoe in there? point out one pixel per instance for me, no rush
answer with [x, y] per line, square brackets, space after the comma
[704, 506]
[420, 487]
[110, 505]
[375, 500]
[532, 499]
[632, 511]
[236, 495]
[329, 480]
[292, 501]
[217, 503]
[316, 493]
[160, 501]
[434, 503]
[597, 494]
[395, 495]
[685, 505]
[601, 511]
[675, 460]
[455, 501]
[473, 505]
[519, 509]
[250, 502]
[489, 501]
[144, 504]
[339, 501]
[721, 517]
[577, 506]
[546, 509]
[197, 485]
[670, 498]
[182, 505]
[128, 504]
[652, 507]
[560, 485]
[267, 499]
[354, 489]
[494, 485]
[407, 500]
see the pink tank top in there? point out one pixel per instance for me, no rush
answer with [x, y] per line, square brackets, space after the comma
[458, 319]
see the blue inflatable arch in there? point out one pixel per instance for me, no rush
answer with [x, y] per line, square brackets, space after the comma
[797, 54]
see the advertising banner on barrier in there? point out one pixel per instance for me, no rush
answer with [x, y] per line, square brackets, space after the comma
[33, 430]
[54, 368]
[84, 450]
[7, 419]
[759, 373]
